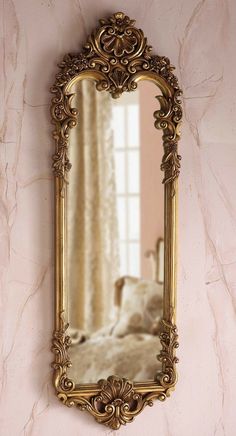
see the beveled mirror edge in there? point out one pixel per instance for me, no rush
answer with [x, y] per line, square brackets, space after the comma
[117, 401]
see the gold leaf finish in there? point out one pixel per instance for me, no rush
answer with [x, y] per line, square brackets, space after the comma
[116, 56]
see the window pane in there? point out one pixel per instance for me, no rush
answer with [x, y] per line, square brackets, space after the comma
[118, 124]
[133, 172]
[134, 259]
[133, 125]
[120, 171]
[123, 259]
[121, 211]
[134, 218]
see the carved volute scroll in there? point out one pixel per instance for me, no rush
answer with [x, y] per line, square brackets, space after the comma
[117, 56]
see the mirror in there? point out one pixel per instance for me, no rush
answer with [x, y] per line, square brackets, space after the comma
[116, 111]
[114, 218]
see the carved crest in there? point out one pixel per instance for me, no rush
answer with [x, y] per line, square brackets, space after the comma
[117, 52]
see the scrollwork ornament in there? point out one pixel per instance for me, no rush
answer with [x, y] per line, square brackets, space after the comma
[118, 402]
[169, 342]
[60, 345]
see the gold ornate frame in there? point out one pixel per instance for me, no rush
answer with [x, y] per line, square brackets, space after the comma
[116, 56]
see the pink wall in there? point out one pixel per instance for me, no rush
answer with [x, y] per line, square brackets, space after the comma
[152, 191]
[199, 38]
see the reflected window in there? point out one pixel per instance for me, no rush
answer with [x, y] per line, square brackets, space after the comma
[125, 126]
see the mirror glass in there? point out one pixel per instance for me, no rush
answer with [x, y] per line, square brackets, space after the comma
[114, 235]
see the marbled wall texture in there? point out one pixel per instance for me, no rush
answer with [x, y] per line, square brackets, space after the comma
[199, 37]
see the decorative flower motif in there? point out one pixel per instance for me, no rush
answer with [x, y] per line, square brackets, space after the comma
[119, 20]
[162, 66]
[81, 62]
[71, 65]
[75, 62]
[159, 63]
[119, 37]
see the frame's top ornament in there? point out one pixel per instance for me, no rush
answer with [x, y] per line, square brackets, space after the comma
[119, 50]
[117, 54]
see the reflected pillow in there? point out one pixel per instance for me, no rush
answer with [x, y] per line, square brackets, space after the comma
[140, 307]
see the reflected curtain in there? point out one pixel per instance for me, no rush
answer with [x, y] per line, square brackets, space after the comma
[93, 260]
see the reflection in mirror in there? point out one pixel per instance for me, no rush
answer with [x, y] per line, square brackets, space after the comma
[115, 235]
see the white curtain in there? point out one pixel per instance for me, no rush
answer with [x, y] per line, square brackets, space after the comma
[92, 241]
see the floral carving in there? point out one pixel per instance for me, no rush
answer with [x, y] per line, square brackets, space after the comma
[161, 65]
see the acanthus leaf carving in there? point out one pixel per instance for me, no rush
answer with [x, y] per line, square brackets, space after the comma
[60, 345]
[169, 342]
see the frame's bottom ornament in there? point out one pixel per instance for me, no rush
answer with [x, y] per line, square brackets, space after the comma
[117, 400]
